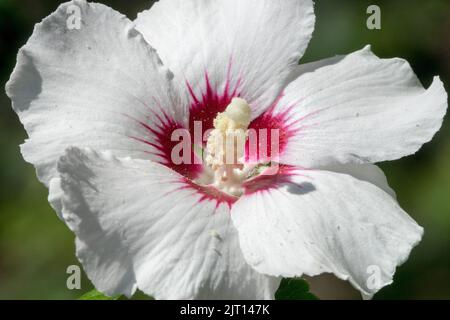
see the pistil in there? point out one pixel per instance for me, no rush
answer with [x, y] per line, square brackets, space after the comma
[226, 145]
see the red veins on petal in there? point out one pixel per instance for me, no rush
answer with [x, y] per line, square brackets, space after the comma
[162, 145]
[209, 193]
[267, 122]
[205, 108]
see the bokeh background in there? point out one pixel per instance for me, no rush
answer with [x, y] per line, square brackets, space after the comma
[36, 247]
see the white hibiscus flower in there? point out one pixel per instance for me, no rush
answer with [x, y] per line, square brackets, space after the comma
[100, 105]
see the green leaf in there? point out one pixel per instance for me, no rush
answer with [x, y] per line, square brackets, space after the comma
[294, 289]
[95, 295]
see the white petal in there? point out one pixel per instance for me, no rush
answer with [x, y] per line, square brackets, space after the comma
[313, 66]
[245, 45]
[365, 172]
[356, 110]
[87, 87]
[140, 224]
[320, 221]
[55, 194]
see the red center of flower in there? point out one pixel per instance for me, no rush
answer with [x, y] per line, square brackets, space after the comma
[204, 108]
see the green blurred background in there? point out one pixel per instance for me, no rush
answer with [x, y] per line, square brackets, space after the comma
[36, 247]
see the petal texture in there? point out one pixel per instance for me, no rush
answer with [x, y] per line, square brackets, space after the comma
[313, 66]
[359, 109]
[99, 86]
[245, 46]
[365, 172]
[141, 225]
[313, 221]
